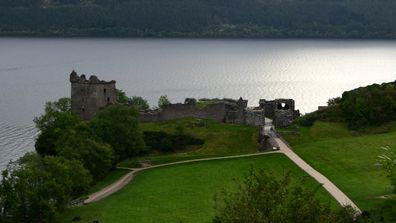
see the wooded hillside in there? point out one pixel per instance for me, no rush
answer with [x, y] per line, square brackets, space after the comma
[200, 18]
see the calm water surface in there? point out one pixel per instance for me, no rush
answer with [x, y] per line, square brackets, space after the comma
[33, 71]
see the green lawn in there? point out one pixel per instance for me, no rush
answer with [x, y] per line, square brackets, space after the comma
[181, 193]
[347, 159]
[220, 140]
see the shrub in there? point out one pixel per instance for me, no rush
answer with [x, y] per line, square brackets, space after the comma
[262, 198]
[164, 142]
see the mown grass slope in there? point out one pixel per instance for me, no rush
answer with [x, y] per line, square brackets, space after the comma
[347, 158]
[183, 193]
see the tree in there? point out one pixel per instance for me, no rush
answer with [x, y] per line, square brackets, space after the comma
[263, 198]
[163, 101]
[138, 103]
[63, 105]
[35, 187]
[57, 119]
[388, 161]
[118, 126]
[334, 101]
[80, 143]
[122, 98]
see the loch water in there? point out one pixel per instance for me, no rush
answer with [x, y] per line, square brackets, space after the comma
[36, 70]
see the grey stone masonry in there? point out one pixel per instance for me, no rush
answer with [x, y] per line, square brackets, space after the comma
[90, 96]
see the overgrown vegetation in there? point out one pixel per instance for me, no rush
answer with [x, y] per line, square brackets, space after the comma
[200, 18]
[118, 126]
[165, 142]
[163, 101]
[219, 139]
[262, 197]
[361, 108]
[71, 156]
[34, 188]
[369, 106]
[136, 102]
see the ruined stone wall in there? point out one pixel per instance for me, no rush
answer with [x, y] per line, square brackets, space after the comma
[282, 111]
[215, 112]
[255, 117]
[89, 96]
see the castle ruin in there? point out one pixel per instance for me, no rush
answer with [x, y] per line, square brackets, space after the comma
[90, 96]
[281, 111]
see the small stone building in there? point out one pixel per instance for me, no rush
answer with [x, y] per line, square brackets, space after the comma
[90, 96]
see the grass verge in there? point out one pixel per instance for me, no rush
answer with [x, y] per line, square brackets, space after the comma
[346, 158]
[183, 193]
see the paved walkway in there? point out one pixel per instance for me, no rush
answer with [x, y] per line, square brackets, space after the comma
[327, 184]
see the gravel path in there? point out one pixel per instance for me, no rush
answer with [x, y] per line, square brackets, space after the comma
[284, 148]
[327, 184]
[114, 187]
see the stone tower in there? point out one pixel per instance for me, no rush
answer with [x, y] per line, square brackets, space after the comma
[89, 96]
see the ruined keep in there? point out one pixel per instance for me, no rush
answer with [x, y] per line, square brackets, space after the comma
[90, 96]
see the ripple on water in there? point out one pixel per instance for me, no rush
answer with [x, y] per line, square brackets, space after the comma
[15, 140]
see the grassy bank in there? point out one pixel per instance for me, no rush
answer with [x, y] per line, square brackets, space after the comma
[347, 158]
[220, 140]
[182, 193]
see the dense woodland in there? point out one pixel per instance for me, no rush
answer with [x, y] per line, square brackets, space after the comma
[200, 18]
[361, 108]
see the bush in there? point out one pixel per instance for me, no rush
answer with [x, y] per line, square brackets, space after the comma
[263, 198]
[163, 101]
[138, 103]
[164, 142]
[332, 113]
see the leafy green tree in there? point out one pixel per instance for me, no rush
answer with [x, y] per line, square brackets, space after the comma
[388, 161]
[118, 126]
[122, 98]
[57, 119]
[262, 198]
[138, 103]
[369, 106]
[334, 101]
[163, 101]
[63, 105]
[79, 143]
[35, 188]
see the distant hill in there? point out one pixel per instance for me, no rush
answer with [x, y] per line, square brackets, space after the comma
[200, 18]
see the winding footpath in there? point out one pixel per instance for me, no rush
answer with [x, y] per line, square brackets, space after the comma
[114, 187]
[334, 191]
